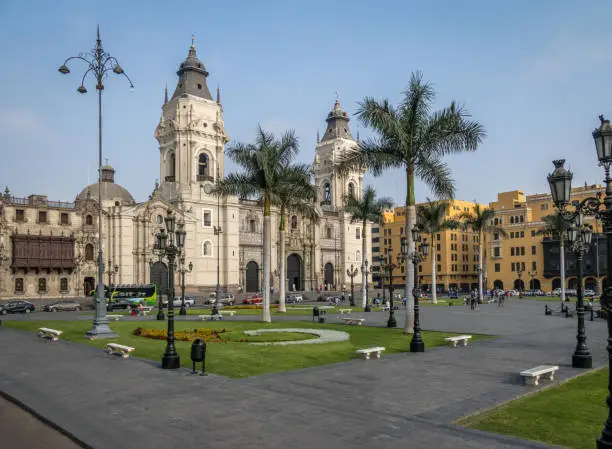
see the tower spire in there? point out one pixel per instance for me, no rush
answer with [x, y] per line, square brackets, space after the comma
[166, 95]
[318, 137]
[218, 95]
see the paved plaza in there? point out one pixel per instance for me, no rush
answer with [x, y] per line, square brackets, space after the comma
[399, 401]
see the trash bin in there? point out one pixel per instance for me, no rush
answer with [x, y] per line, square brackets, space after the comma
[315, 314]
[198, 353]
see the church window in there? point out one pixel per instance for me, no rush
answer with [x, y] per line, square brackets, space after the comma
[206, 249]
[294, 222]
[358, 256]
[172, 165]
[42, 285]
[160, 219]
[64, 218]
[63, 284]
[351, 189]
[327, 193]
[202, 166]
[42, 216]
[329, 232]
[206, 218]
[358, 233]
[89, 220]
[19, 285]
[199, 86]
[251, 225]
[89, 252]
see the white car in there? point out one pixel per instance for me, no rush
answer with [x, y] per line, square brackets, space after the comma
[293, 298]
[189, 301]
[588, 293]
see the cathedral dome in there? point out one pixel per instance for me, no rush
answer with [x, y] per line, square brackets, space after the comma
[110, 190]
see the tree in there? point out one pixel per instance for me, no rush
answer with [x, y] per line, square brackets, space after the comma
[431, 218]
[556, 226]
[480, 221]
[264, 170]
[415, 139]
[295, 194]
[368, 208]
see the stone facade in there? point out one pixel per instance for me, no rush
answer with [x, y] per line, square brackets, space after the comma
[192, 139]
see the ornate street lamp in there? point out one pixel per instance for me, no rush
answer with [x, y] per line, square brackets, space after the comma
[98, 63]
[417, 344]
[352, 272]
[171, 359]
[159, 252]
[532, 275]
[180, 238]
[519, 273]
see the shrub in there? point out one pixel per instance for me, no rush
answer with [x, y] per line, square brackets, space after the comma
[208, 335]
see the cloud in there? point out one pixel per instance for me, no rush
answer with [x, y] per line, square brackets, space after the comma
[20, 121]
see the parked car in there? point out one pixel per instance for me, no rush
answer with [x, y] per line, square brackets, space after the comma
[255, 299]
[189, 301]
[62, 306]
[293, 298]
[227, 299]
[17, 306]
[589, 293]
[122, 304]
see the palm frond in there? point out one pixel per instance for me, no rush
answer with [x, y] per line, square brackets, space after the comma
[436, 174]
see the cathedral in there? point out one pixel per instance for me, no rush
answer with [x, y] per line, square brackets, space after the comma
[49, 249]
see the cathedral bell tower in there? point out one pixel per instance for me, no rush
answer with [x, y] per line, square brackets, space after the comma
[191, 133]
[337, 142]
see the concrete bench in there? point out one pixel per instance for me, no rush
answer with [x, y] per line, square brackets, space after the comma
[52, 334]
[532, 376]
[114, 317]
[210, 317]
[354, 321]
[345, 311]
[452, 341]
[116, 348]
[227, 312]
[366, 353]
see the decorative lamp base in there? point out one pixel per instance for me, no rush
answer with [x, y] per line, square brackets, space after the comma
[100, 332]
[605, 441]
[582, 361]
[417, 346]
[367, 308]
[183, 311]
[160, 315]
[391, 322]
[171, 362]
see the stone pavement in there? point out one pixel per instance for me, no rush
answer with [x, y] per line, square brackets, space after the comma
[401, 400]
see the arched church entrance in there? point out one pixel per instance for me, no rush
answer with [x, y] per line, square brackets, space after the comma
[252, 277]
[328, 277]
[159, 277]
[294, 272]
[89, 284]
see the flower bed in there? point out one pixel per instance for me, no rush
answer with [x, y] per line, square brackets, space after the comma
[249, 306]
[208, 335]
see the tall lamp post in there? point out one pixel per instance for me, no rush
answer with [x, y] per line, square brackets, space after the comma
[417, 344]
[184, 270]
[560, 181]
[387, 266]
[532, 275]
[171, 246]
[352, 272]
[519, 273]
[160, 255]
[218, 231]
[99, 63]
[366, 272]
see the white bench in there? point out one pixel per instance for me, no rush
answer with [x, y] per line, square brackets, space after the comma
[532, 376]
[210, 317]
[52, 334]
[227, 312]
[114, 317]
[355, 321]
[116, 348]
[343, 311]
[366, 353]
[452, 341]
[145, 312]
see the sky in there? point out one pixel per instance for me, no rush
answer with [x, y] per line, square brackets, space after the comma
[535, 74]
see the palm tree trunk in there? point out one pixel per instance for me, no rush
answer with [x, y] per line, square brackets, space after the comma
[364, 275]
[282, 275]
[410, 221]
[562, 255]
[266, 262]
[480, 244]
[434, 293]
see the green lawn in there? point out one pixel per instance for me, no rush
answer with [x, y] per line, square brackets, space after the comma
[570, 415]
[237, 359]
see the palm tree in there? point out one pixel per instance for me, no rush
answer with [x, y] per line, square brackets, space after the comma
[415, 139]
[480, 221]
[431, 218]
[556, 226]
[297, 195]
[368, 208]
[265, 164]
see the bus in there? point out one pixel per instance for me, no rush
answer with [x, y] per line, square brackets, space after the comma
[133, 293]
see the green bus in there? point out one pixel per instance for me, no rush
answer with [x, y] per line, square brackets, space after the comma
[133, 293]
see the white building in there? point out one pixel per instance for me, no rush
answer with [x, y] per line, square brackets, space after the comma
[192, 139]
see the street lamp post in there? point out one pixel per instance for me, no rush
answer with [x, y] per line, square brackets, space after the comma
[417, 344]
[172, 247]
[366, 272]
[160, 255]
[579, 235]
[218, 231]
[99, 63]
[532, 275]
[352, 272]
[519, 273]
[184, 270]
[388, 267]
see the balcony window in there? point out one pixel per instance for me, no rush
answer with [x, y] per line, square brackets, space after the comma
[42, 216]
[20, 215]
[19, 285]
[64, 218]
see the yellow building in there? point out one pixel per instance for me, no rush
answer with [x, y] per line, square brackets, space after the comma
[536, 256]
[455, 252]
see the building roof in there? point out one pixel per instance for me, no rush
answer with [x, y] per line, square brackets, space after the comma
[337, 124]
[192, 77]
[110, 190]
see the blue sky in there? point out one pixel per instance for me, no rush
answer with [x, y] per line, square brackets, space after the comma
[535, 74]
